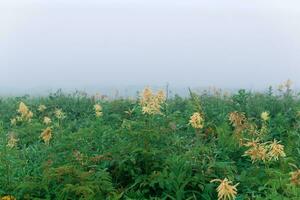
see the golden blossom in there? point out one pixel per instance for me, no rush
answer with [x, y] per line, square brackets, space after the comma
[42, 108]
[8, 197]
[59, 114]
[46, 135]
[47, 120]
[26, 114]
[196, 121]
[276, 150]
[12, 141]
[265, 116]
[98, 110]
[295, 178]
[257, 151]
[226, 191]
[237, 119]
[151, 103]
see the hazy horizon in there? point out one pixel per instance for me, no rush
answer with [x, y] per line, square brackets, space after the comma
[124, 43]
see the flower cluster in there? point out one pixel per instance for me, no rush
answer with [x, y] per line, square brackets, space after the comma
[237, 119]
[12, 140]
[264, 151]
[46, 135]
[24, 114]
[265, 116]
[42, 108]
[47, 120]
[276, 150]
[98, 110]
[240, 123]
[150, 102]
[295, 177]
[8, 197]
[257, 151]
[226, 191]
[59, 114]
[197, 120]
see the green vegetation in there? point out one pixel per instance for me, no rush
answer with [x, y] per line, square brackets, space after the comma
[134, 149]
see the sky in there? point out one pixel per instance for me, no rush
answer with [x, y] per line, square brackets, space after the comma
[83, 43]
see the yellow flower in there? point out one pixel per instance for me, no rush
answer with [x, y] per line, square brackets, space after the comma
[196, 121]
[151, 103]
[26, 114]
[98, 110]
[295, 178]
[12, 140]
[257, 151]
[23, 109]
[42, 108]
[8, 197]
[252, 143]
[265, 116]
[46, 135]
[97, 107]
[237, 119]
[29, 115]
[226, 191]
[59, 114]
[19, 119]
[98, 114]
[276, 150]
[47, 120]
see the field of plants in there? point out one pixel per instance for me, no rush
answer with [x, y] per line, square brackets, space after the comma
[210, 145]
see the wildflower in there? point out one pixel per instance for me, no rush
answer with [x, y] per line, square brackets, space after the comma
[265, 116]
[196, 121]
[29, 115]
[240, 123]
[257, 151]
[295, 178]
[13, 121]
[160, 96]
[8, 197]
[12, 140]
[226, 191]
[59, 114]
[23, 109]
[47, 120]
[276, 150]
[46, 135]
[18, 118]
[98, 110]
[26, 114]
[42, 108]
[237, 119]
[252, 143]
[151, 103]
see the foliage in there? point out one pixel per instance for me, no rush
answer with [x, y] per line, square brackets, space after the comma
[123, 152]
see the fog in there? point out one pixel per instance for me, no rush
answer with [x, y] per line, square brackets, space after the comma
[118, 43]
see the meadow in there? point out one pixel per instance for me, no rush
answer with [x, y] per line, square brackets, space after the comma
[208, 146]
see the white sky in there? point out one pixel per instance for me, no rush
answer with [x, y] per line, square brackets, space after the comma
[73, 43]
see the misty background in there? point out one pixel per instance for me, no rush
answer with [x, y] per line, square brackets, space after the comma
[102, 45]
